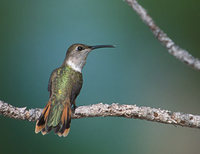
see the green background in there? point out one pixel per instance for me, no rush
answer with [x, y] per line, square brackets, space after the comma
[34, 36]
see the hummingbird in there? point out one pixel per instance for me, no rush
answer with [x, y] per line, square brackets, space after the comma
[64, 86]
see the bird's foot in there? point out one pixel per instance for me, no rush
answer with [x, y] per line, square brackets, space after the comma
[74, 107]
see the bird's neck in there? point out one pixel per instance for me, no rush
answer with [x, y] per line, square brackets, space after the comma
[75, 64]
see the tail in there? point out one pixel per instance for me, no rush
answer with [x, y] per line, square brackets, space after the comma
[57, 117]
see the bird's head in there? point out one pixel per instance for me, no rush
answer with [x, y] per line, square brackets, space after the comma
[77, 54]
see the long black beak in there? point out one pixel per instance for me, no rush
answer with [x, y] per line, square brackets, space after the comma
[101, 46]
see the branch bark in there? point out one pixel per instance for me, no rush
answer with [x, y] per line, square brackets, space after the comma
[113, 110]
[173, 49]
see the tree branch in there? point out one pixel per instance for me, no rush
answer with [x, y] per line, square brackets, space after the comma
[173, 49]
[113, 110]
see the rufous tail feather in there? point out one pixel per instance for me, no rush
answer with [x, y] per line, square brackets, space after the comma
[65, 121]
[62, 128]
[40, 124]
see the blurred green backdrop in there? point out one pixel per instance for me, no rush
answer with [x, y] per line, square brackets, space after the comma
[34, 36]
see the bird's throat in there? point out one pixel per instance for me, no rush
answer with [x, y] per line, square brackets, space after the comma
[75, 66]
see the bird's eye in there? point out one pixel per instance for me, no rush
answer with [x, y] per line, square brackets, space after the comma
[80, 48]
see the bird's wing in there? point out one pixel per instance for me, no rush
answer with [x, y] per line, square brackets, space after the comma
[76, 86]
[53, 75]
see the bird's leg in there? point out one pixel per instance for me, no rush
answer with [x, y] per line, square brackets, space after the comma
[74, 106]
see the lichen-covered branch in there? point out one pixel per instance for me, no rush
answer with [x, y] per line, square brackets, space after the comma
[113, 110]
[172, 48]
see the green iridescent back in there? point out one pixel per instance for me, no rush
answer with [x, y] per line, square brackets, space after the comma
[64, 84]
